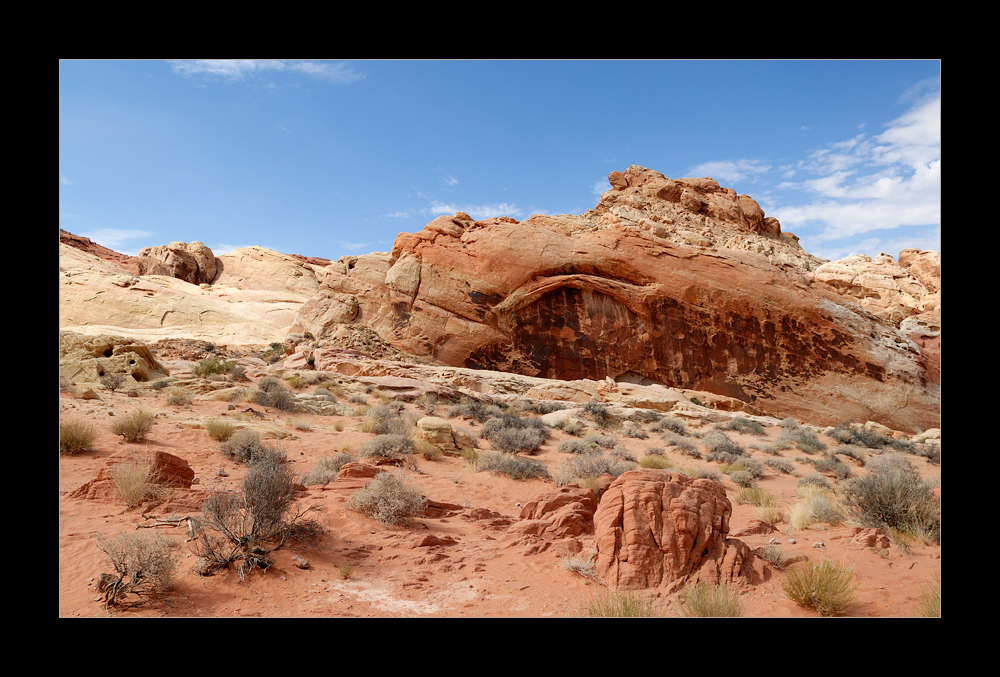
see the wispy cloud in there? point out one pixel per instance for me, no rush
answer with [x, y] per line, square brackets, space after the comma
[476, 211]
[730, 171]
[337, 72]
[121, 240]
[450, 181]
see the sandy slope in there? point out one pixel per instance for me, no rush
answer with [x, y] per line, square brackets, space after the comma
[461, 564]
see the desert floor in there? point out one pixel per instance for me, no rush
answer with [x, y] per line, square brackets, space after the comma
[472, 569]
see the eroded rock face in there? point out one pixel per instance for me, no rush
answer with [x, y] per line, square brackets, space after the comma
[655, 528]
[677, 282]
[84, 359]
[192, 262]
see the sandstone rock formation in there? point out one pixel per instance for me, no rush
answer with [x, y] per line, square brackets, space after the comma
[656, 528]
[192, 262]
[254, 298]
[84, 359]
[676, 282]
[167, 469]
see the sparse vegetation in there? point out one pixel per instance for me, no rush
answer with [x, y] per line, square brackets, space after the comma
[514, 434]
[76, 437]
[237, 526]
[327, 469]
[892, 495]
[625, 604]
[271, 392]
[386, 447]
[388, 500]
[213, 364]
[135, 480]
[387, 419]
[220, 431]
[828, 587]
[511, 465]
[742, 425]
[707, 600]
[112, 380]
[144, 566]
[133, 427]
[245, 446]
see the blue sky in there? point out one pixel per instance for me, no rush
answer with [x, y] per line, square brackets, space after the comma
[330, 158]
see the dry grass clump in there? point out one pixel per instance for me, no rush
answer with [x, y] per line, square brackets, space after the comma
[704, 600]
[135, 480]
[929, 605]
[625, 604]
[828, 588]
[245, 446]
[387, 419]
[815, 505]
[588, 466]
[327, 469]
[388, 500]
[656, 462]
[133, 427]
[144, 565]
[220, 431]
[76, 437]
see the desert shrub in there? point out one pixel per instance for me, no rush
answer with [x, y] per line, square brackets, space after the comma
[670, 424]
[773, 554]
[741, 425]
[387, 419]
[428, 450]
[237, 526]
[830, 464]
[814, 505]
[135, 480]
[929, 604]
[815, 479]
[76, 437]
[892, 495]
[720, 447]
[213, 364]
[747, 464]
[599, 441]
[600, 413]
[514, 434]
[828, 588]
[852, 451]
[577, 447]
[388, 500]
[327, 469]
[656, 462]
[506, 463]
[475, 409]
[634, 430]
[574, 427]
[271, 392]
[386, 447]
[624, 604]
[709, 600]
[782, 465]
[592, 465]
[579, 564]
[144, 566]
[112, 381]
[220, 431]
[517, 440]
[702, 472]
[683, 446]
[133, 427]
[806, 441]
[742, 478]
[179, 397]
[772, 514]
[245, 446]
[755, 496]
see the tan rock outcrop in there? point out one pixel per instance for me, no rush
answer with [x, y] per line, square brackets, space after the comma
[439, 432]
[656, 528]
[677, 282]
[192, 262]
[84, 359]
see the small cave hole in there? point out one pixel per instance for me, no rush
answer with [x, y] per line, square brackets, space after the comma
[109, 352]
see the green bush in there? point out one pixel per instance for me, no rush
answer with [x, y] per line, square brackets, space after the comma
[76, 437]
[827, 588]
[212, 364]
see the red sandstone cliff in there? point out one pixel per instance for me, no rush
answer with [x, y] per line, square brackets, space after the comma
[681, 282]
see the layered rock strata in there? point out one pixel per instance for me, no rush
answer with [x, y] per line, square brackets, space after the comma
[676, 282]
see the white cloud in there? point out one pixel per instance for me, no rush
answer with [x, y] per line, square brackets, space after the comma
[729, 171]
[118, 239]
[241, 69]
[478, 212]
[450, 181]
[873, 183]
[65, 180]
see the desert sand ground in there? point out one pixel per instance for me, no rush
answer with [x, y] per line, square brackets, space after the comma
[474, 571]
